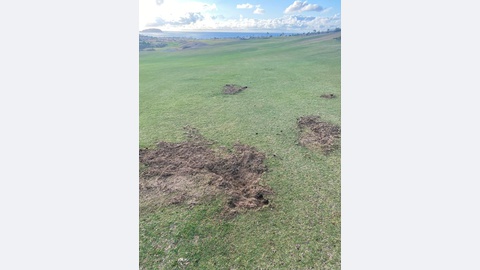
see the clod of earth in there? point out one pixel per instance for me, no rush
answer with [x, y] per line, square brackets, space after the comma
[233, 89]
[193, 171]
[328, 96]
[315, 133]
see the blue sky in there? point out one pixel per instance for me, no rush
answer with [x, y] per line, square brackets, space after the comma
[231, 15]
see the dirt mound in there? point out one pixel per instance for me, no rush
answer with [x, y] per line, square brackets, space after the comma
[193, 171]
[233, 89]
[328, 96]
[315, 133]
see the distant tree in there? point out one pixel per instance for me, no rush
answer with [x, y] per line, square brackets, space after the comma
[143, 45]
[160, 45]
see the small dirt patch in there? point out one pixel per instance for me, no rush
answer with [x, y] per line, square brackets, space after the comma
[231, 89]
[193, 171]
[315, 133]
[328, 96]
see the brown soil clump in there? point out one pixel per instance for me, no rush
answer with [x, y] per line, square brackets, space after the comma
[231, 89]
[193, 171]
[315, 133]
[328, 96]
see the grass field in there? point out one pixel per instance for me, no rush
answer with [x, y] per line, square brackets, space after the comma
[300, 228]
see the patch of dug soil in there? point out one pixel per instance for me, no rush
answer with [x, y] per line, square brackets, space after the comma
[315, 133]
[231, 89]
[328, 96]
[193, 171]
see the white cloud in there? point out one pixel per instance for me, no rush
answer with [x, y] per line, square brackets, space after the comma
[187, 19]
[299, 6]
[243, 6]
[159, 13]
[259, 10]
[209, 7]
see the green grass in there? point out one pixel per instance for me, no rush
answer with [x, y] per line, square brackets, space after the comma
[285, 78]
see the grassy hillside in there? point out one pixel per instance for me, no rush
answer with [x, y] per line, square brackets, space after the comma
[285, 76]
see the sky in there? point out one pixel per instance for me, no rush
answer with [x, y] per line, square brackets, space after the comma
[287, 16]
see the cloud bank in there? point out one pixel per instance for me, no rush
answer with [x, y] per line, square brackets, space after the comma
[292, 23]
[187, 19]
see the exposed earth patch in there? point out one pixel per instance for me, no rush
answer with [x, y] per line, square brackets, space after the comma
[317, 134]
[328, 96]
[194, 171]
[231, 89]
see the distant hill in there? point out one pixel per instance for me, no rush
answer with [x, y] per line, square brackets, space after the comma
[151, 30]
